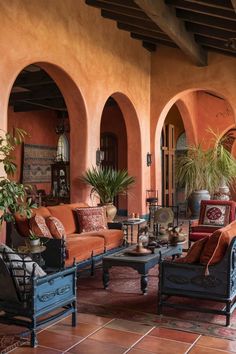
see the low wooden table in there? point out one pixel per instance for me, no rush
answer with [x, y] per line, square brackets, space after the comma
[140, 263]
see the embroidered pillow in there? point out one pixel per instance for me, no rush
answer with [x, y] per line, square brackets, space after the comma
[38, 226]
[91, 219]
[217, 215]
[56, 227]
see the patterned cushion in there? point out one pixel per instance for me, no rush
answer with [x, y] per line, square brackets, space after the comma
[217, 215]
[91, 219]
[38, 226]
[55, 227]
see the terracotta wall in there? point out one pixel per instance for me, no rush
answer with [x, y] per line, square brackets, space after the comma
[90, 60]
[40, 128]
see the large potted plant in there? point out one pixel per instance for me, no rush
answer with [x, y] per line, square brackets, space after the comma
[12, 194]
[201, 171]
[106, 184]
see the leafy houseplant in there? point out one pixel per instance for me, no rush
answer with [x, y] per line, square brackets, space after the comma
[12, 193]
[107, 183]
[204, 169]
[34, 239]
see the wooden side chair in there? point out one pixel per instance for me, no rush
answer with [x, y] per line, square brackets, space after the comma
[31, 298]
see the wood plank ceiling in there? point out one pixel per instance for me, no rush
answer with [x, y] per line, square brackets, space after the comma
[194, 26]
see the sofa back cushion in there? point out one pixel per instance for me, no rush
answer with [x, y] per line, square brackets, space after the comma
[194, 253]
[22, 223]
[91, 219]
[38, 226]
[217, 244]
[65, 215]
[55, 226]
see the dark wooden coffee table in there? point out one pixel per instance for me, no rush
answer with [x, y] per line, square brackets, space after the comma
[140, 263]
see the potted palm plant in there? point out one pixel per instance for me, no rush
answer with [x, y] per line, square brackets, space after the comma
[106, 184]
[12, 194]
[201, 171]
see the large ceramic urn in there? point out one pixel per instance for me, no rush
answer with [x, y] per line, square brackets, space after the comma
[195, 199]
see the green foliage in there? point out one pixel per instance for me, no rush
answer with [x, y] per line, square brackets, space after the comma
[33, 236]
[206, 169]
[12, 194]
[107, 183]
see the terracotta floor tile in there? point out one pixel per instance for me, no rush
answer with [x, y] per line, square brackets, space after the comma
[38, 350]
[130, 326]
[57, 341]
[218, 343]
[163, 346]
[90, 346]
[180, 336]
[88, 318]
[82, 329]
[197, 349]
[114, 336]
[140, 351]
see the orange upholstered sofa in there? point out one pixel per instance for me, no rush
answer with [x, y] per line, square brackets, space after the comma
[85, 247]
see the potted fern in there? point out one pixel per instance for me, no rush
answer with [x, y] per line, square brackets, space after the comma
[106, 184]
[201, 171]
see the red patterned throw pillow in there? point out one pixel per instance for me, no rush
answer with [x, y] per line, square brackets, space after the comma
[217, 215]
[38, 226]
[91, 219]
[56, 227]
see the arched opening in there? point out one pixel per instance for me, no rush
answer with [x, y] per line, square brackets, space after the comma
[40, 104]
[121, 142]
[113, 142]
[193, 106]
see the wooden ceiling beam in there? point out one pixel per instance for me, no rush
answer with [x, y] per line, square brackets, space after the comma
[149, 46]
[210, 21]
[220, 4]
[39, 93]
[142, 31]
[157, 41]
[220, 50]
[130, 20]
[124, 3]
[29, 79]
[209, 31]
[234, 5]
[204, 9]
[164, 16]
[53, 104]
[138, 13]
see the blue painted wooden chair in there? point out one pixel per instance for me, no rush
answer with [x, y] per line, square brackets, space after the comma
[37, 300]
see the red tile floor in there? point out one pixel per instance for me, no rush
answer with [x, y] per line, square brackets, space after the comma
[100, 335]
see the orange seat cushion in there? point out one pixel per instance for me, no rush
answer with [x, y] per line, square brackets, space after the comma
[217, 244]
[82, 247]
[56, 228]
[112, 238]
[194, 253]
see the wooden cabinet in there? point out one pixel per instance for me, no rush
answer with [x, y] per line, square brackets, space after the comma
[61, 181]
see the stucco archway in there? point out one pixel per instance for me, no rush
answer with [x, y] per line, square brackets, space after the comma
[78, 124]
[191, 112]
[134, 153]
